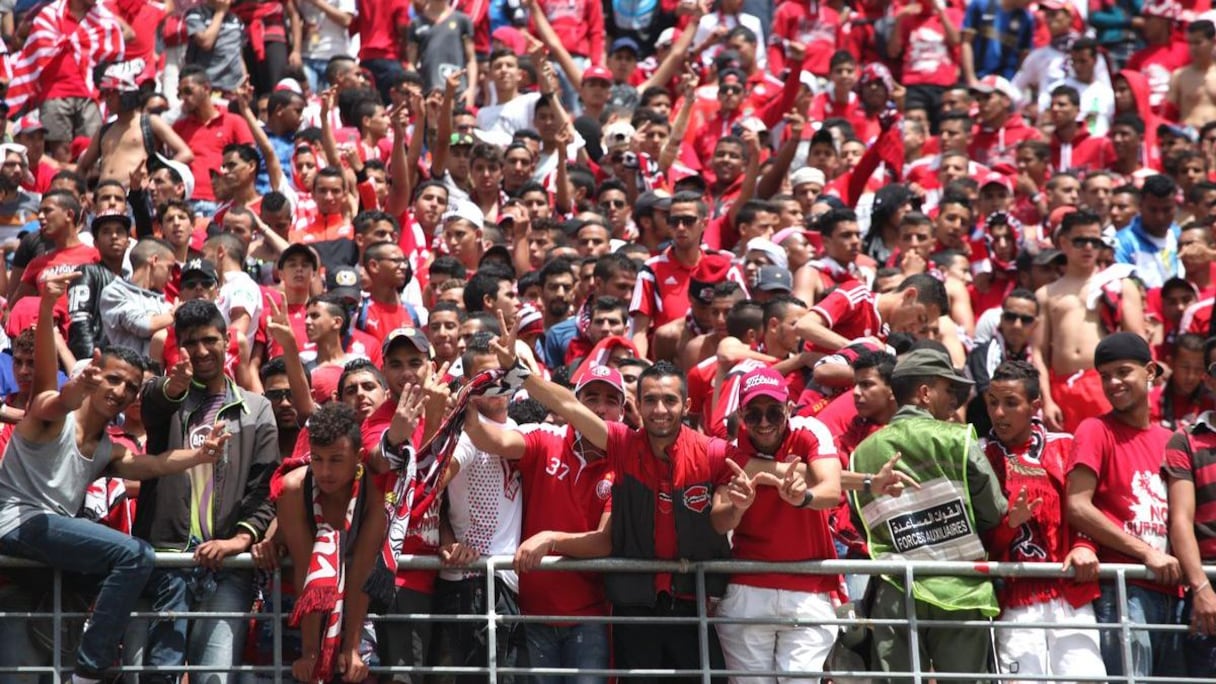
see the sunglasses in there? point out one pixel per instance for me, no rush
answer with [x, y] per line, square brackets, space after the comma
[1011, 317]
[613, 204]
[774, 414]
[682, 220]
[730, 90]
[1083, 242]
[275, 396]
[195, 284]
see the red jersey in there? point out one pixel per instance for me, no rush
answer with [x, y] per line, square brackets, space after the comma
[774, 531]
[1037, 466]
[1198, 318]
[820, 33]
[324, 227]
[992, 146]
[1130, 491]
[1175, 412]
[58, 261]
[379, 24]
[661, 291]
[566, 493]
[1083, 153]
[63, 76]
[381, 319]
[1158, 63]
[579, 24]
[927, 59]
[850, 312]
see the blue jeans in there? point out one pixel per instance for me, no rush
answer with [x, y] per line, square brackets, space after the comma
[314, 69]
[576, 646]
[384, 71]
[218, 643]
[203, 207]
[1156, 654]
[1200, 650]
[84, 547]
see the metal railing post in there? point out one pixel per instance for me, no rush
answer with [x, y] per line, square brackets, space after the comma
[703, 626]
[276, 594]
[913, 625]
[1125, 631]
[491, 621]
[57, 626]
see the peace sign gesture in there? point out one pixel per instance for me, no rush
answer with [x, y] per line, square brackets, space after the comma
[741, 489]
[504, 346]
[409, 410]
[279, 326]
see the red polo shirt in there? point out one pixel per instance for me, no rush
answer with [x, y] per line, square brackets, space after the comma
[207, 140]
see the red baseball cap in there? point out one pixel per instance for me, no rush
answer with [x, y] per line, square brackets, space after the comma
[993, 177]
[605, 374]
[763, 382]
[597, 72]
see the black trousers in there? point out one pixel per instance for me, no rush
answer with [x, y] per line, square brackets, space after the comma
[465, 644]
[655, 644]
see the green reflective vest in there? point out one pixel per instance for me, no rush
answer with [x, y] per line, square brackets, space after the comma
[934, 522]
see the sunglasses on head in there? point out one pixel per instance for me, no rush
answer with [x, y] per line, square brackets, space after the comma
[774, 414]
[1083, 242]
[1011, 317]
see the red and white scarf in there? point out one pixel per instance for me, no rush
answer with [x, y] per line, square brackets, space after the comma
[97, 39]
[325, 584]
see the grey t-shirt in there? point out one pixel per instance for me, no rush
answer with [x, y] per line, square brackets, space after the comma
[223, 62]
[49, 477]
[441, 47]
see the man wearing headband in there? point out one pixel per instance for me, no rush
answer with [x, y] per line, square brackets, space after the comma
[1117, 497]
[1077, 310]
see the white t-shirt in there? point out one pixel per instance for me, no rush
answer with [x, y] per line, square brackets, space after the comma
[326, 38]
[485, 505]
[240, 292]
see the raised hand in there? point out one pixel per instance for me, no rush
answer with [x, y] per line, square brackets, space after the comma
[452, 83]
[89, 378]
[1022, 509]
[214, 446]
[279, 326]
[792, 488]
[180, 377]
[54, 285]
[409, 409]
[504, 346]
[890, 481]
[434, 389]
[740, 489]
[329, 99]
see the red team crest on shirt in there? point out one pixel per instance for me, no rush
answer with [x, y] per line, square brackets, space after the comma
[696, 498]
[603, 489]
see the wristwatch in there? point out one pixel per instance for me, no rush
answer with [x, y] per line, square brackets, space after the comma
[867, 484]
[808, 498]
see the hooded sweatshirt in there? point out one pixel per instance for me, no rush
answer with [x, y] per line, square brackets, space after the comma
[991, 146]
[1150, 155]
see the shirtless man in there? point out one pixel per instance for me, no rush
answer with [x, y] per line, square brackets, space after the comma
[1064, 341]
[120, 146]
[1193, 87]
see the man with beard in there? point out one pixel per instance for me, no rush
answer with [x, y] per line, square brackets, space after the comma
[277, 390]
[1028, 459]
[1117, 498]
[778, 524]
[557, 291]
[61, 429]
[214, 513]
[959, 500]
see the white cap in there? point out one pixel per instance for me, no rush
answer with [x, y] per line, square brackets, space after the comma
[467, 211]
[621, 131]
[182, 170]
[666, 38]
[753, 124]
[774, 253]
[807, 174]
[20, 149]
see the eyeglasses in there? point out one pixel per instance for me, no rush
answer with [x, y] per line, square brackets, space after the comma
[396, 260]
[1011, 317]
[774, 414]
[275, 396]
[682, 220]
[1083, 242]
[204, 283]
[613, 204]
[730, 90]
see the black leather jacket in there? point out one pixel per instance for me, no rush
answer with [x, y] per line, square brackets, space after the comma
[84, 311]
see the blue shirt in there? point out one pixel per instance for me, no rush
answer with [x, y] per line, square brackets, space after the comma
[1001, 36]
[1155, 259]
[557, 339]
[284, 147]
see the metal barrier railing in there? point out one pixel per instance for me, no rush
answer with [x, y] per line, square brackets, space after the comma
[907, 571]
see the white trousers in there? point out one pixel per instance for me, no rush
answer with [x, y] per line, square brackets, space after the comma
[783, 648]
[1058, 651]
